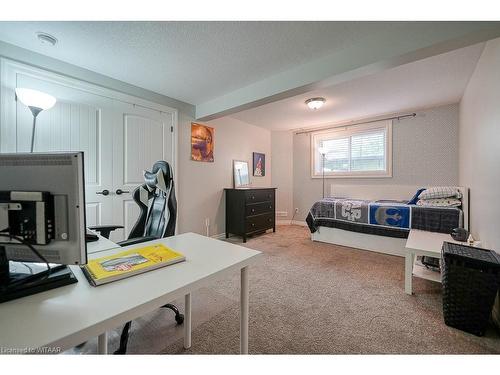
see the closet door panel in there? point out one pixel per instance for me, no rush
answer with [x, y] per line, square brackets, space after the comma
[143, 145]
[143, 137]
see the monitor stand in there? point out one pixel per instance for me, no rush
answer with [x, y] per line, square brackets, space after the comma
[15, 285]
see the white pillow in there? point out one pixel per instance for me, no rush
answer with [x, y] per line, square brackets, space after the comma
[440, 192]
[440, 202]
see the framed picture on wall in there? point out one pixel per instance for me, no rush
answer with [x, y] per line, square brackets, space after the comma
[202, 142]
[259, 164]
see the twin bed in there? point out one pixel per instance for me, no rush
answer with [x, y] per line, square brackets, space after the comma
[377, 224]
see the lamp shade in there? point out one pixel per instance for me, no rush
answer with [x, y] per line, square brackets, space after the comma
[34, 98]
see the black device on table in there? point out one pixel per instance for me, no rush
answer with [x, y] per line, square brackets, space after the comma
[42, 221]
[460, 234]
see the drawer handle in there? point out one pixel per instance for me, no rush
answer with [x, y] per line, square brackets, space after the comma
[253, 209]
[253, 196]
[253, 224]
[270, 220]
[270, 206]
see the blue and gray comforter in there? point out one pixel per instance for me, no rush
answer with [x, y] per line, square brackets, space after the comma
[386, 218]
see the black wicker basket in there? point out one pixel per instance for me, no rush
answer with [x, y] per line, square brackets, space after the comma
[471, 278]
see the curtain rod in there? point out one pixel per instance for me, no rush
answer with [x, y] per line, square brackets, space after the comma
[400, 117]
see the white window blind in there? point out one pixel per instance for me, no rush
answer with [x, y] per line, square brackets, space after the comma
[338, 154]
[362, 151]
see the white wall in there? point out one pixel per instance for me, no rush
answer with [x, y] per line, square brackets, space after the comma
[425, 152]
[479, 154]
[201, 184]
[282, 171]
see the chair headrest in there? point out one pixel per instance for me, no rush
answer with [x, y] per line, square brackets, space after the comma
[160, 177]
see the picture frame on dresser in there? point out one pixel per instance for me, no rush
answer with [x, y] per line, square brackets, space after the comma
[241, 175]
[250, 211]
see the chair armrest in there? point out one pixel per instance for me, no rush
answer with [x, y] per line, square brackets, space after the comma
[134, 241]
[105, 230]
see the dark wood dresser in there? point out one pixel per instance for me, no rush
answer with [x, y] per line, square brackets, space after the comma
[250, 211]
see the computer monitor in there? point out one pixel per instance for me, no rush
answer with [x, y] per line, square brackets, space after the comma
[42, 201]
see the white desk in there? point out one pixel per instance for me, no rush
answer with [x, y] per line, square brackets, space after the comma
[102, 245]
[72, 314]
[426, 244]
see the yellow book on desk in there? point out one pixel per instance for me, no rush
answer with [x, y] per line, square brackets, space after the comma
[129, 263]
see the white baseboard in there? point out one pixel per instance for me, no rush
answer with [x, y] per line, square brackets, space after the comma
[294, 222]
[222, 236]
[282, 222]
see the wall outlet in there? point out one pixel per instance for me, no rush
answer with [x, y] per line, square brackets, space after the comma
[207, 226]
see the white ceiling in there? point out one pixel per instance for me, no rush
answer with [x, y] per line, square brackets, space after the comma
[191, 61]
[429, 82]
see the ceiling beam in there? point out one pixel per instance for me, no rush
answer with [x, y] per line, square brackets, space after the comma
[405, 43]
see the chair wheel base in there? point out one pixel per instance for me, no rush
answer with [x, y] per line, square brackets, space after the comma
[179, 319]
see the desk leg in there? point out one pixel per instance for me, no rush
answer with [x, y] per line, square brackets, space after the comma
[187, 321]
[102, 343]
[244, 311]
[409, 259]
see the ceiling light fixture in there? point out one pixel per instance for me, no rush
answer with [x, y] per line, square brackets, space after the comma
[315, 103]
[46, 38]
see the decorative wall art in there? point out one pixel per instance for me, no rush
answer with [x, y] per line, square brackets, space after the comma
[240, 173]
[259, 164]
[202, 142]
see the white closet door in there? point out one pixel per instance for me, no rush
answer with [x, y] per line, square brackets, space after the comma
[143, 137]
[79, 121]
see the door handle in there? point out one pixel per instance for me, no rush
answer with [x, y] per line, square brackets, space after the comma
[120, 191]
[104, 192]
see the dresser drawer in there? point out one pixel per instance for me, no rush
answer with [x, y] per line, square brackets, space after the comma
[260, 222]
[259, 208]
[256, 196]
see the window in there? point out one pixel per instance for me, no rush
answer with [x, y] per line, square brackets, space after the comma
[355, 151]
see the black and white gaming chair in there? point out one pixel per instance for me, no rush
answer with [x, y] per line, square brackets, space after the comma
[157, 219]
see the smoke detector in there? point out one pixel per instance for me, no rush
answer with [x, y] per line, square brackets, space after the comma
[45, 38]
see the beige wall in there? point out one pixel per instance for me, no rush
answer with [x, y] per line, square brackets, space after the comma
[200, 190]
[425, 152]
[282, 172]
[479, 151]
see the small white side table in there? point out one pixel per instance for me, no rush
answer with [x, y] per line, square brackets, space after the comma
[426, 244]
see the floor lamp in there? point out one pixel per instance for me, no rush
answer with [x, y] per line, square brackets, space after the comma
[322, 151]
[37, 102]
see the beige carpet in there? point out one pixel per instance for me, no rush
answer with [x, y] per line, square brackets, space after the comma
[308, 297]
